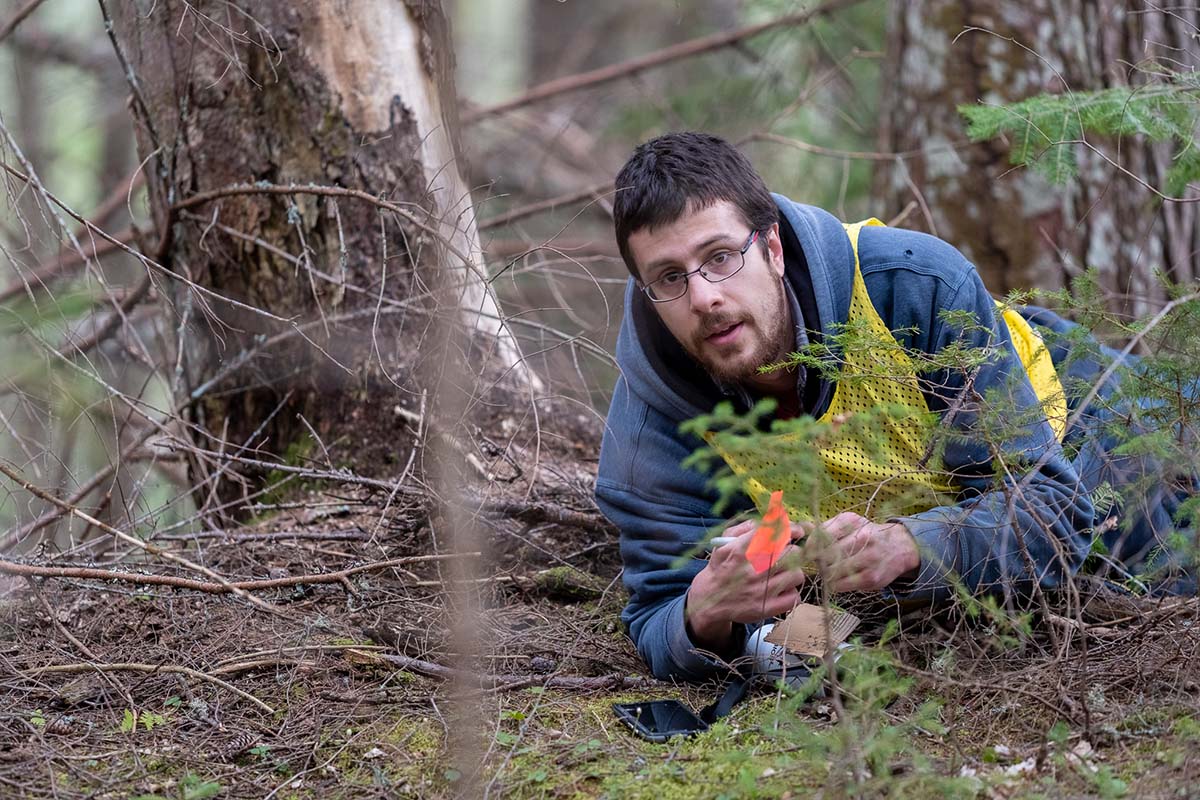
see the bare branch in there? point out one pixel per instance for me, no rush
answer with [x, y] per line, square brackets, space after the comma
[19, 17]
[208, 587]
[693, 47]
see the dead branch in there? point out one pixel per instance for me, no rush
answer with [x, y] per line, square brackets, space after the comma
[503, 683]
[693, 47]
[995, 686]
[19, 17]
[114, 322]
[537, 513]
[18, 535]
[44, 274]
[39, 45]
[226, 587]
[136, 542]
[509, 217]
[273, 536]
[154, 669]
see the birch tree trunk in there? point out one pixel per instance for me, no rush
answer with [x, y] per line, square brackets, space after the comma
[1020, 231]
[315, 110]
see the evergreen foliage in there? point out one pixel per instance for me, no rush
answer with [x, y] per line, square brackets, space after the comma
[1045, 131]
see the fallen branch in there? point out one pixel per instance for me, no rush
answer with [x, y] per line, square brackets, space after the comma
[692, 47]
[224, 587]
[151, 668]
[504, 683]
[272, 536]
[536, 513]
[991, 687]
[136, 542]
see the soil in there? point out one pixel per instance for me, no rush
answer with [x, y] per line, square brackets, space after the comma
[373, 685]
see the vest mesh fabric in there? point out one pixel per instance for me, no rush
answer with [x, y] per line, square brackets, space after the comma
[872, 451]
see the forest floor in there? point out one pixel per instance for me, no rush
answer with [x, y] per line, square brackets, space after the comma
[351, 685]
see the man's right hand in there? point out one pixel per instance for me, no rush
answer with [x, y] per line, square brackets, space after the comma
[728, 590]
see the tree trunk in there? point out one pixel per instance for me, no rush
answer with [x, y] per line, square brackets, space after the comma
[348, 96]
[1020, 231]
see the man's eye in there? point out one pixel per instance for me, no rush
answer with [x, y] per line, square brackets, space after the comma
[671, 279]
[720, 259]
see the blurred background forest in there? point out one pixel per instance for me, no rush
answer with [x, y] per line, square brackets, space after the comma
[853, 108]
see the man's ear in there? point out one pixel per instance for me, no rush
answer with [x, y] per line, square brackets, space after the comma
[775, 249]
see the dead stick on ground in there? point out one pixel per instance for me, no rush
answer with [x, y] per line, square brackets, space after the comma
[224, 586]
[136, 542]
[990, 687]
[510, 682]
[84, 650]
[152, 668]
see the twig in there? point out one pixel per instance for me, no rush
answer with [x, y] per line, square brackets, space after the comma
[223, 587]
[692, 47]
[543, 512]
[45, 273]
[509, 217]
[114, 322]
[259, 663]
[83, 649]
[19, 17]
[16, 536]
[989, 687]
[611, 682]
[271, 536]
[151, 668]
[133, 540]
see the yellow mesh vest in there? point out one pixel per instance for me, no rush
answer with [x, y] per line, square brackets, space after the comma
[874, 446]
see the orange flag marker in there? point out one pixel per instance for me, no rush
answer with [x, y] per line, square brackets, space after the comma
[771, 537]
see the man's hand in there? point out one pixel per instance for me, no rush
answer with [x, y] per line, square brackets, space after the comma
[860, 555]
[728, 590]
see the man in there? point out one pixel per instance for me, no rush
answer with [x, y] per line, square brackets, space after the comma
[727, 278]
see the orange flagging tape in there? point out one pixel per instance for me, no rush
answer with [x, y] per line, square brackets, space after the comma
[771, 537]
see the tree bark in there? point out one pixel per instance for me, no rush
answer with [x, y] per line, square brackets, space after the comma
[355, 95]
[1020, 231]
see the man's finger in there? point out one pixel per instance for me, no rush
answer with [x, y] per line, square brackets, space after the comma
[789, 579]
[845, 524]
[782, 604]
[854, 544]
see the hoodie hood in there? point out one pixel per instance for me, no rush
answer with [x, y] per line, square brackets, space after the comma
[818, 263]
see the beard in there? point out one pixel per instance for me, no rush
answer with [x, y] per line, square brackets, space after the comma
[769, 327]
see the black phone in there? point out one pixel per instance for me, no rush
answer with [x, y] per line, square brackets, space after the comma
[659, 720]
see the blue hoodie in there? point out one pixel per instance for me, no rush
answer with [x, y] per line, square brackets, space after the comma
[663, 510]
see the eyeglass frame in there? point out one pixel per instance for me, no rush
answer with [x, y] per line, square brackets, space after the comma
[645, 287]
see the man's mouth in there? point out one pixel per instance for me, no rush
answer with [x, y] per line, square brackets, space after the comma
[725, 335]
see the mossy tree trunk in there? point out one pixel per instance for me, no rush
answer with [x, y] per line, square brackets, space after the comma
[1020, 231]
[355, 95]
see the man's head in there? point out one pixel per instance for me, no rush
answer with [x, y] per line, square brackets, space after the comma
[682, 200]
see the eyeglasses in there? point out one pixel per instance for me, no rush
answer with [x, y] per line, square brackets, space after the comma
[721, 266]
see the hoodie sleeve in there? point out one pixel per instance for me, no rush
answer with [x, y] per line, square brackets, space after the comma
[662, 511]
[1023, 515]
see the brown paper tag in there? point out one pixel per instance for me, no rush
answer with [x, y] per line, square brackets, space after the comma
[803, 630]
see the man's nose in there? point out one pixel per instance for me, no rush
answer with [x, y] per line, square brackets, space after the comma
[703, 295]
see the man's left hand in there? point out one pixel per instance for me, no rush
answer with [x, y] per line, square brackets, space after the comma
[858, 555]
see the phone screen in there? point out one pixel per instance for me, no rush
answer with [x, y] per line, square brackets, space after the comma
[659, 719]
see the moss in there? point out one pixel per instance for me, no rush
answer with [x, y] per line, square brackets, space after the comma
[574, 747]
[569, 583]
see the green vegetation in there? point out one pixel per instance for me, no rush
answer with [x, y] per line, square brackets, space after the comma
[1045, 131]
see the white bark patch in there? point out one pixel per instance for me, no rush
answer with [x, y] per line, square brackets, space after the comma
[370, 53]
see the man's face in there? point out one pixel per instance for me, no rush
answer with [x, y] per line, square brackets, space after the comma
[732, 327]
